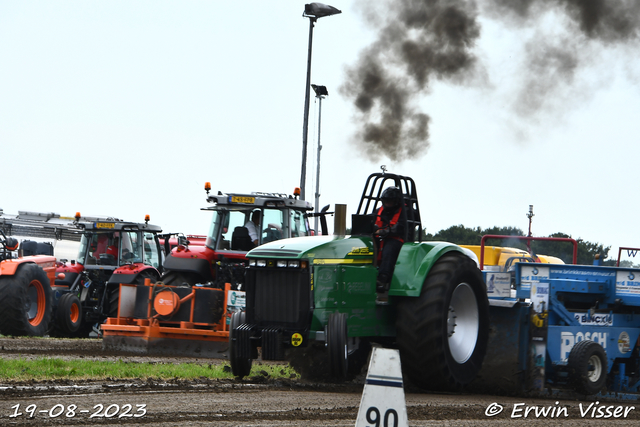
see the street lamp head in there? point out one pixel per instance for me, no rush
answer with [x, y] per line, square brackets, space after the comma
[319, 10]
[320, 90]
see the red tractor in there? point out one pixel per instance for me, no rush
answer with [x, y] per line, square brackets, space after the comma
[25, 290]
[189, 310]
[222, 258]
[112, 251]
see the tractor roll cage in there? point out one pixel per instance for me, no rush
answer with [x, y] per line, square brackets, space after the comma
[370, 202]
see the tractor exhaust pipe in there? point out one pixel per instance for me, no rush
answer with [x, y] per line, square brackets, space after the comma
[340, 223]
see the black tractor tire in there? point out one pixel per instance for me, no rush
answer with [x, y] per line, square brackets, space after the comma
[337, 351]
[442, 334]
[180, 279]
[587, 366]
[113, 293]
[25, 302]
[239, 367]
[313, 362]
[147, 274]
[68, 316]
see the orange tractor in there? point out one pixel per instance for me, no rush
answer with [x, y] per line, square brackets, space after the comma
[25, 290]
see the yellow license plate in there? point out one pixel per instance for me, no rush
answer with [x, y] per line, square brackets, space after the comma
[243, 199]
[105, 225]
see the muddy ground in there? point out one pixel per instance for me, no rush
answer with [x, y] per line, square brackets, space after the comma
[258, 401]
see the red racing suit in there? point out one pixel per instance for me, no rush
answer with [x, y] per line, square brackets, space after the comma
[391, 228]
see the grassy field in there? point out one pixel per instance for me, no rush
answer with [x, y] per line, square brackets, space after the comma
[46, 368]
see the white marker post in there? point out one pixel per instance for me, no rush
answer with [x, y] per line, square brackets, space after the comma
[383, 403]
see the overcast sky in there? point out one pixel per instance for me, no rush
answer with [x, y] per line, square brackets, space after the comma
[126, 108]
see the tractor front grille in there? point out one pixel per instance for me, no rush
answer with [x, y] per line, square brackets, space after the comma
[278, 297]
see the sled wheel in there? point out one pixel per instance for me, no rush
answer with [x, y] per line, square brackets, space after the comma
[442, 334]
[69, 314]
[587, 365]
[337, 345]
[25, 306]
[239, 367]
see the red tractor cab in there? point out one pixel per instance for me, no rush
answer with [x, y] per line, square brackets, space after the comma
[189, 311]
[236, 217]
[112, 251]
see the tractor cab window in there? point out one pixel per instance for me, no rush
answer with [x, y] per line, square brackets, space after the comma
[84, 252]
[92, 245]
[151, 253]
[216, 225]
[223, 225]
[272, 225]
[130, 247]
[299, 225]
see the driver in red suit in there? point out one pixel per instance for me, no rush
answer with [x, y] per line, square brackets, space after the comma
[390, 229]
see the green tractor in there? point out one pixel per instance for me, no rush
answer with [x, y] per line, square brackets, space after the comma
[312, 301]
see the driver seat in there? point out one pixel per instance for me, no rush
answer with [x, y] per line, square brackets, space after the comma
[240, 239]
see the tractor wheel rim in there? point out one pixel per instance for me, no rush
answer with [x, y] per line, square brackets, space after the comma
[74, 313]
[463, 323]
[36, 303]
[595, 369]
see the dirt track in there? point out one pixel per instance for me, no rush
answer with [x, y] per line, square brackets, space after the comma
[254, 401]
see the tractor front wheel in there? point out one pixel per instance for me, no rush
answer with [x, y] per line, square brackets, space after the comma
[442, 334]
[68, 314]
[25, 305]
[239, 367]
[337, 345]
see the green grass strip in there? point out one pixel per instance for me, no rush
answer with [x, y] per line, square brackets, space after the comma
[46, 368]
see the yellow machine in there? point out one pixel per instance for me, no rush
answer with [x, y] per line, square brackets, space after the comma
[501, 259]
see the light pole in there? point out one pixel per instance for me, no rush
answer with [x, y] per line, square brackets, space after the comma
[313, 11]
[321, 92]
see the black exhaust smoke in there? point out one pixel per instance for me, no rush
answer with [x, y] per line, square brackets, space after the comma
[552, 62]
[418, 40]
[422, 40]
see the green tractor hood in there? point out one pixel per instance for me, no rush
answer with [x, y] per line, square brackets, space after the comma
[413, 265]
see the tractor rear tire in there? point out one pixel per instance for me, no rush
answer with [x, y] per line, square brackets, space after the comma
[442, 334]
[113, 293]
[180, 279]
[337, 345]
[239, 367]
[25, 306]
[587, 365]
[68, 315]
